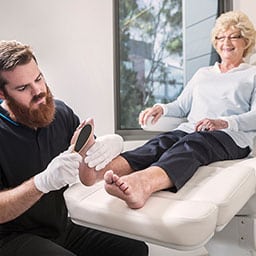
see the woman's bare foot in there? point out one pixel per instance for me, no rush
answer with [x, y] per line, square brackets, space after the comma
[87, 175]
[130, 188]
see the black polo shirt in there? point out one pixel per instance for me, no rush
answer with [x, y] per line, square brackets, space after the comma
[24, 152]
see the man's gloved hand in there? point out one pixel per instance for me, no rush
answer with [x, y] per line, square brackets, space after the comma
[103, 151]
[62, 170]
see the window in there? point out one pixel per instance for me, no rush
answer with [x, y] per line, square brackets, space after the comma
[158, 47]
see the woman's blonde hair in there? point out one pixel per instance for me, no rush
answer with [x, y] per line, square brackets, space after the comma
[235, 20]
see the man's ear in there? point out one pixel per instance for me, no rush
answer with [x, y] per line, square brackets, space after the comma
[2, 97]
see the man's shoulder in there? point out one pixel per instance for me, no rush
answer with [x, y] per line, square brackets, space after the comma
[60, 103]
[61, 106]
[63, 110]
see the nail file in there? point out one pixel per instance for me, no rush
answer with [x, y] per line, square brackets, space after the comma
[82, 138]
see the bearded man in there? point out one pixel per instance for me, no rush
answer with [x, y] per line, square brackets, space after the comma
[37, 164]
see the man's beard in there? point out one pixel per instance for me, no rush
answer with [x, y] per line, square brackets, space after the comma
[33, 118]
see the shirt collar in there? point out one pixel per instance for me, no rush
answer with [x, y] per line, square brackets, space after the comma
[242, 66]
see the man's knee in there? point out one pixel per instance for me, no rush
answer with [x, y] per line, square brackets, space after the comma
[138, 248]
[28, 244]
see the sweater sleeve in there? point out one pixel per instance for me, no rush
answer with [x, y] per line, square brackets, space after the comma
[246, 121]
[182, 105]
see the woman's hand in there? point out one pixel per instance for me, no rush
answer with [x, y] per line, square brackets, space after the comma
[156, 112]
[207, 124]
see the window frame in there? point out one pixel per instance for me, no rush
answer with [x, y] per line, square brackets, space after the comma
[138, 134]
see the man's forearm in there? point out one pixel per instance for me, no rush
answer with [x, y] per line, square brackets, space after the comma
[14, 202]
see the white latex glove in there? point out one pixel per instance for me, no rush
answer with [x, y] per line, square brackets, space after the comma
[103, 151]
[62, 170]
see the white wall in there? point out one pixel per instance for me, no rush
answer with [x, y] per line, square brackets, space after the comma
[74, 44]
[248, 7]
[73, 41]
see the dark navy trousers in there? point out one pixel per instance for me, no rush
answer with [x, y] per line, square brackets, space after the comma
[180, 154]
[74, 241]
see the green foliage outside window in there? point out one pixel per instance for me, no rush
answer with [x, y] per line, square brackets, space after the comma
[150, 56]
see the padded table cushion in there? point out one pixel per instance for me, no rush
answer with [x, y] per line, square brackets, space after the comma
[227, 184]
[162, 220]
[186, 219]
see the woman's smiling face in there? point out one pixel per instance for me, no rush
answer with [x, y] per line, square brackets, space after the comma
[230, 45]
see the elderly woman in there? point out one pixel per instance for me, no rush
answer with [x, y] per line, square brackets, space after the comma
[220, 105]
